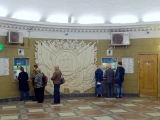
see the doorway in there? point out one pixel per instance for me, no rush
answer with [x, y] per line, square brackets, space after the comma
[148, 75]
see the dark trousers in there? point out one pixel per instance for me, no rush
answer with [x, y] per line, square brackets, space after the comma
[35, 93]
[40, 94]
[56, 93]
[109, 89]
[27, 95]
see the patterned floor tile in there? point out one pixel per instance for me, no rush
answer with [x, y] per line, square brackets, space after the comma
[138, 100]
[59, 109]
[141, 109]
[103, 118]
[36, 110]
[128, 105]
[93, 112]
[73, 100]
[56, 105]
[131, 116]
[118, 111]
[33, 106]
[67, 114]
[15, 117]
[154, 114]
[98, 103]
[9, 112]
[39, 116]
[107, 106]
[73, 118]
[9, 107]
[85, 108]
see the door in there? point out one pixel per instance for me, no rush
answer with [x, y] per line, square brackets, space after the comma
[148, 75]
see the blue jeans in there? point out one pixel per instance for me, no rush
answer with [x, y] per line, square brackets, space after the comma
[56, 93]
[109, 89]
[119, 90]
[22, 95]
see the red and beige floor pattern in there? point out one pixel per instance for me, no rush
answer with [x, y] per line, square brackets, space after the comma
[83, 109]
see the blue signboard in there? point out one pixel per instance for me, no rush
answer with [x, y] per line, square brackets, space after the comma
[19, 61]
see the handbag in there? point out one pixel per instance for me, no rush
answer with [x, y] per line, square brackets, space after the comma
[62, 80]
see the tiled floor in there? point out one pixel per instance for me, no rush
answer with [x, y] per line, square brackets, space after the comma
[83, 109]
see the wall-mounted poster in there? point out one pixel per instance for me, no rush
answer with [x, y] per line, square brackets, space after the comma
[110, 61]
[4, 66]
[128, 64]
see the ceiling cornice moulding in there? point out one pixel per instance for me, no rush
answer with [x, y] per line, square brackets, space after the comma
[45, 26]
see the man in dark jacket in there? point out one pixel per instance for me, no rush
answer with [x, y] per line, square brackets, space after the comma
[120, 73]
[56, 78]
[109, 75]
[23, 84]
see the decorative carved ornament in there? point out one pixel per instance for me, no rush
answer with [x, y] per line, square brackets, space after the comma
[76, 60]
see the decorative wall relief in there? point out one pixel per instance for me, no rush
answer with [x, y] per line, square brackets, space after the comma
[76, 60]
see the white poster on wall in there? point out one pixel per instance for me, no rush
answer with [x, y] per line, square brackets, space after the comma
[4, 66]
[20, 51]
[128, 64]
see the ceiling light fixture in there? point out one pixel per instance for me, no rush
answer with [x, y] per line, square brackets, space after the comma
[91, 20]
[124, 19]
[151, 17]
[26, 15]
[58, 19]
[3, 12]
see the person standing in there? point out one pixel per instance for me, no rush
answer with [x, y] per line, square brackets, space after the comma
[99, 81]
[23, 83]
[39, 86]
[33, 82]
[109, 75]
[56, 78]
[120, 72]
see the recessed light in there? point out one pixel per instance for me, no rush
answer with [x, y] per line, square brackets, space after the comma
[91, 20]
[26, 15]
[124, 19]
[151, 17]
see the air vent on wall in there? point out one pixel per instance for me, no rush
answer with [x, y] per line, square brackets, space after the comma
[120, 38]
[14, 37]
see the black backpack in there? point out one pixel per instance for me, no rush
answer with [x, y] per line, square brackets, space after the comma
[44, 79]
[118, 77]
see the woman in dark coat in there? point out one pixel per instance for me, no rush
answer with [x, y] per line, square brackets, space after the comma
[23, 84]
[99, 82]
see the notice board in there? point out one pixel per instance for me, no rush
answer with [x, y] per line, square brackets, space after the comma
[4, 66]
[128, 64]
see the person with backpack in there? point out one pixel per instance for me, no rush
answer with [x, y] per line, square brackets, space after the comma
[119, 79]
[99, 81]
[39, 86]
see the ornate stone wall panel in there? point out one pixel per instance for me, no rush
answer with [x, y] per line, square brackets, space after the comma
[76, 60]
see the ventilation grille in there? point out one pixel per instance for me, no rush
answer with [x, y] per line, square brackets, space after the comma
[14, 37]
[120, 38]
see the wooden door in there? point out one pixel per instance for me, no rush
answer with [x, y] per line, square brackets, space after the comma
[148, 75]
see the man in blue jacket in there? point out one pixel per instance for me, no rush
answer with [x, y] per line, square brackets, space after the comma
[119, 79]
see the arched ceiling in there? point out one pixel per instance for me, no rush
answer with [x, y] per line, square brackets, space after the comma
[106, 10]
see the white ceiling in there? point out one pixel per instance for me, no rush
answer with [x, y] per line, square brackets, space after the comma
[107, 9]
